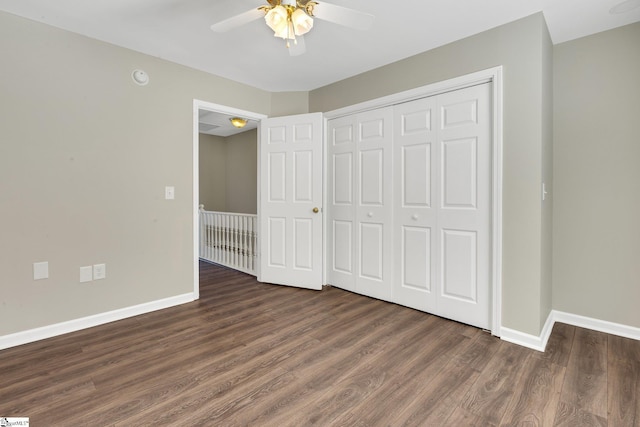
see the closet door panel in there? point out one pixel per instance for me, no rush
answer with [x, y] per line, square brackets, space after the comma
[342, 188]
[459, 265]
[342, 249]
[415, 156]
[459, 173]
[374, 210]
[371, 177]
[342, 262]
[415, 173]
[416, 258]
[371, 251]
[464, 205]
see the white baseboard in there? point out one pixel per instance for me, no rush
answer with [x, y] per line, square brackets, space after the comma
[597, 325]
[534, 342]
[24, 337]
[540, 342]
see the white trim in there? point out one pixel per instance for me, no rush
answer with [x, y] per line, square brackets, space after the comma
[195, 201]
[325, 188]
[217, 108]
[597, 325]
[258, 259]
[24, 337]
[534, 342]
[496, 211]
[493, 75]
[540, 342]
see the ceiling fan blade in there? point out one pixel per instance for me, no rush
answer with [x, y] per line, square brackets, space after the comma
[237, 21]
[343, 16]
[297, 48]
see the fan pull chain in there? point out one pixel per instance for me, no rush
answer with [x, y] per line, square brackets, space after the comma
[290, 32]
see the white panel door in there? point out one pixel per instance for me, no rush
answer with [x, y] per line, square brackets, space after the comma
[374, 203]
[464, 204]
[360, 169]
[416, 156]
[290, 207]
[342, 258]
[427, 246]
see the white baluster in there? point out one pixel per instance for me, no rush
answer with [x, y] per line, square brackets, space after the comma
[241, 227]
[206, 235]
[226, 239]
[246, 243]
[218, 238]
[234, 221]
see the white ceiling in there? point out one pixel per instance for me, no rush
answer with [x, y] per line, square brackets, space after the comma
[219, 124]
[178, 31]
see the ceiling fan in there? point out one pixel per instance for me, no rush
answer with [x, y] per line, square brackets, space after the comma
[291, 19]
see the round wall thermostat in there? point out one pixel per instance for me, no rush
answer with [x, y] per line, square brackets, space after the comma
[140, 77]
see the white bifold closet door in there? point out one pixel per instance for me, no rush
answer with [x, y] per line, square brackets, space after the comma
[435, 205]
[360, 202]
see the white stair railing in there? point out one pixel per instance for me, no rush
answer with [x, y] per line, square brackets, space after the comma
[229, 239]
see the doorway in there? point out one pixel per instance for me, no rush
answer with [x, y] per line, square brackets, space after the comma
[200, 109]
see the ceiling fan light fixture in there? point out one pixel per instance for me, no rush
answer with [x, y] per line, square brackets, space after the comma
[238, 122]
[277, 18]
[284, 32]
[302, 23]
[288, 20]
[291, 19]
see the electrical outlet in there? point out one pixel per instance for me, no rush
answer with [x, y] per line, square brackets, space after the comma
[99, 271]
[169, 193]
[40, 270]
[86, 274]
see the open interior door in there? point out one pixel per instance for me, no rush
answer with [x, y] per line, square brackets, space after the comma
[290, 200]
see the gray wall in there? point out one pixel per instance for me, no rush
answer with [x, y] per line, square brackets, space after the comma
[85, 155]
[596, 268]
[546, 248]
[228, 172]
[212, 169]
[242, 168]
[523, 47]
[289, 103]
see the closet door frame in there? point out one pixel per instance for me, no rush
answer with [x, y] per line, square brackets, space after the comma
[493, 75]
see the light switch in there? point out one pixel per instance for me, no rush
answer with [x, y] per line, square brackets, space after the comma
[169, 193]
[99, 271]
[86, 274]
[40, 270]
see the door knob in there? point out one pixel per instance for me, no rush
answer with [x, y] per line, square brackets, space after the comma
[316, 210]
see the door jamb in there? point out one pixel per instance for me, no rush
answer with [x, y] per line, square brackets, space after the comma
[493, 75]
[208, 106]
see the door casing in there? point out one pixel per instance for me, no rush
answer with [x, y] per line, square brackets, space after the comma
[207, 106]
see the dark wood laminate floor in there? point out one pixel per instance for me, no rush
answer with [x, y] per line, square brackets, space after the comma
[248, 354]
